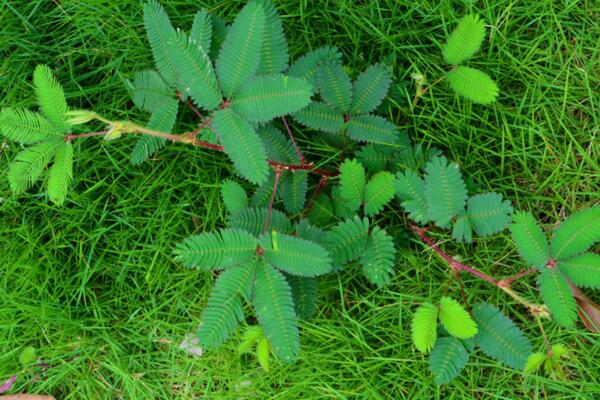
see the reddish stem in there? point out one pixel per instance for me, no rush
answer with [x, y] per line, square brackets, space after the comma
[69, 138]
[291, 135]
[508, 281]
[278, 172]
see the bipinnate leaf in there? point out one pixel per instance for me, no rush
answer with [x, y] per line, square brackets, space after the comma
[464, 40]
[275, 310]
[29, 165]
[488, 214]
[534, 362]
[295, 255]
[447, 359]
[462, 230]
[224, 309]
[379, 191]
[275, 56]
[557, 295]
[372, 128]
[374, 157]
[278, 146]
[499, 337]
[455, 319]
[294, 187]
[253, 220]
[379, 257]
[194, 71]
[334, 85]
[242, 145]
[576, 234]
[61, 174]
[352, 183]
[50, 97]
[306, 67]
[149, 90]
[346, 240]
[26, 127]
[370, 88]
[234, 196]
[162, 119]
[251, 336]
[530, 239]
[320, 116]
[445, 190]
[410, 190]
[159, 31]
[304, 293]
[473, 84]
[583, 270]
[212, 251]
[202, 30]
[424, 327]
[270, 96]
[240, 54]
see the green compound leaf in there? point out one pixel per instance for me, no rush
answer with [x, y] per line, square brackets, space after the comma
[372, 128]
[194, 71]
[583, 270]
[321, 210]
[447, 359]
[462, 230]
[424, 327]
[270, 96]
[219, 31]
[576, 234]
[370, 88]
[379, 257]
[253, 220]
[352, 183]
[499, 337]
[322, 117]
[212, 251]
[473, 84]
[240, 54]
[534, 362]
[465, 40]
[309, 232]
[445, 190]
[455, 319]
[61, 174]
[26, 127]
[251, 336]
[275, 57]
[28, 166]
[159, 31]
[557, 295]
[304, 293]
[242, 145]
[530, 240]
[306, 67]
[378, 192]
[410, 190]
[294, 186]
[346, 241]
[149, 90]
[163, 120]
[275, 310]
[224, 308]
[375, 158]
[334, 85]
[340, 207]
[50, 97]
[279, 147]
[263, 353]
[295, 255]
[234, 196]
[488, 214]
[202, 30]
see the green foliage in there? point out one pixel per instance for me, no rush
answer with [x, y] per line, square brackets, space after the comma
[50, 97]
[499, 337]
[163, 120]
[447, 359]
[534, 362]
[445, 190]
[294, 186]
[274, 53]
[530, 240]
[304, 293]
[149, 90]
[557, 295]
[583, 270]
[370, 88]
[61, 174]
[488, 214]
[473, 84]
[294, 255]
[379, 257]
[28, 166]
[372, 128]
[352, 183]
[26, 127]
[465, 40]
[410, 190]
[255, 336]
[240, 54]
[202, 29]
[455, 319]
[253, 220]
[378, 192]
[424, 327]
[346, 241]
[308, 65]
[335, 85]
[160, 31]
[28, 356]
[234, 196]
[576, 234]
[321, 116]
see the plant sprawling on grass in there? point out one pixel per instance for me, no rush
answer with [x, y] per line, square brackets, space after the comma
[239, 81]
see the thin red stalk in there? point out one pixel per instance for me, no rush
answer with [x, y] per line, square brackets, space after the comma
[272, 201]
[462, 288]
[291, 135]
[205, 121]
[68, 138]
[510, 280]
[320, 186]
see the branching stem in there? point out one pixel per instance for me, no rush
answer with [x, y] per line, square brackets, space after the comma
[291, 135]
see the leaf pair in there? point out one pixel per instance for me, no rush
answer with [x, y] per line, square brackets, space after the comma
[563, 260]
[461, 45]
[254, 336]
[45, 134]
[441, 197]
[356, 191]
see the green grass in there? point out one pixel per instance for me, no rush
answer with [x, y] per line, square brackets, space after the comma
[93, 287]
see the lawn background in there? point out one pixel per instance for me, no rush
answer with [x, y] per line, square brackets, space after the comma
[93, 287]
